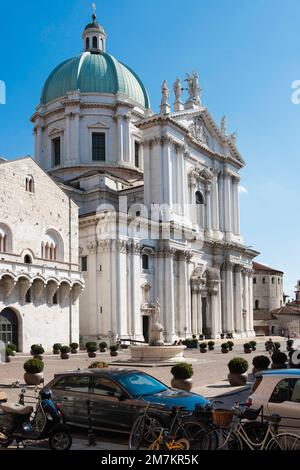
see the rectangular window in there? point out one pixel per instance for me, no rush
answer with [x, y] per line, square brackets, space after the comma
[137, 154]
[145, 262]
[84, 263]
[56, 151]
[98, 142]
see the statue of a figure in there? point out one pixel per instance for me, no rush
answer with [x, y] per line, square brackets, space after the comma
[156, 331]
[233, 137]
[194, 87]
[223, 125]
[177, 90]
[165, 94]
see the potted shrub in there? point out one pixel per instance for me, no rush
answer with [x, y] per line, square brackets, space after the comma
[90, 343]
[229, 335]
[247, 348]
[103, 347]
[91, 350]
[260, 363]
[98, 365]
[182, 376]
[277, 345]
[224, 348]
[203, 347]
[253, 345]
[114, 350]
[230, 345]
[9, 352]
[211, 345]
[37, 351]
[289, 344]
[33, 372]
[278, 360]
[74, 348]
[222, 335]
[201, 337]
[191, 343]
[237, 371]
[194, 336]
[56, 348]
[64, 352]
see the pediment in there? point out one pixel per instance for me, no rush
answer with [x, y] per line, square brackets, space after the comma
[98, 125]
[55, 130]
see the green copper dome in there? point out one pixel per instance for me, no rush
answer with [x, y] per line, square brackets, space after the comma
[94, 73]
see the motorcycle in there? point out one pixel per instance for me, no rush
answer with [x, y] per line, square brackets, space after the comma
[21, 423]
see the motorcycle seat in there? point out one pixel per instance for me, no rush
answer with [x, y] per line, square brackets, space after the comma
[16, 409]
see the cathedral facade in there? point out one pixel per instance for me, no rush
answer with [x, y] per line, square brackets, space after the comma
[158, 198]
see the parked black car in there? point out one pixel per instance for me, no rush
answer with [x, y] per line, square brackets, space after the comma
[116, 396]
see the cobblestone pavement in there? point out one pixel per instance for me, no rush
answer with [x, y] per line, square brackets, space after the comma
[210, 369]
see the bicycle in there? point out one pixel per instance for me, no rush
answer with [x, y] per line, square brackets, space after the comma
[165, 441]
[253, 436]
[145, 428]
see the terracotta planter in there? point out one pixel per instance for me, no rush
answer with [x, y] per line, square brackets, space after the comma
[255, 370]
[182, 384]
[113, 353]
[103, 350]
[56, 352]
[74, 351]
[33, 379]
[211, 348]
[8, 358]
[237, 380]
[224, 351]
[247, 351]
[64, 355]
[92, 354]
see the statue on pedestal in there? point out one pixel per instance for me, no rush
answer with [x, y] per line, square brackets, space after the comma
[156, 332]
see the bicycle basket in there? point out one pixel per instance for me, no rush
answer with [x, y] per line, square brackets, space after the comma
[222, 418]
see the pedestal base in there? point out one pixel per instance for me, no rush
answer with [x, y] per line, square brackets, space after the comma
[157, 353]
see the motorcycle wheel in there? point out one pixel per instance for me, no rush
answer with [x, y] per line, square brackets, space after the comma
[60, 440]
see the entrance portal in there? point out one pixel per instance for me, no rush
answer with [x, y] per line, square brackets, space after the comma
[9, 328]
[146, 328]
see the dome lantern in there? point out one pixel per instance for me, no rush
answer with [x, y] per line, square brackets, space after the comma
[94, 36]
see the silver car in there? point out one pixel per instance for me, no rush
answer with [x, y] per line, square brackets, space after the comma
[278, 391]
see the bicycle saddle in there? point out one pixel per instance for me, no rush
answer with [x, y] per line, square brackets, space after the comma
[251, 414]
[16, 409]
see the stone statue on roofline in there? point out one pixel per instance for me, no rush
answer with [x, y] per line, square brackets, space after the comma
[194, 88]
[165, 105]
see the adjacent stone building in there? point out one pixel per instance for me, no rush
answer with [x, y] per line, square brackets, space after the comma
[40, 281]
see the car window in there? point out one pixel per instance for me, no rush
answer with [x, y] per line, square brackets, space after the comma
[140, 384]
[283, 391]
[256, 384]
[105, 387]
[73, 383]
[296, 392]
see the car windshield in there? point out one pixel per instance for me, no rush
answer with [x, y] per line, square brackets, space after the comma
[139, 385]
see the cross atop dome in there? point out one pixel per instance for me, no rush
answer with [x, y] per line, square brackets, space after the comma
[94, 36]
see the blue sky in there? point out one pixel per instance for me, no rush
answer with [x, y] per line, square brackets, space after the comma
[247, 53]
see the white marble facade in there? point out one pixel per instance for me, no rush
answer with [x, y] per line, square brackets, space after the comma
[40, 282]
[159, 216]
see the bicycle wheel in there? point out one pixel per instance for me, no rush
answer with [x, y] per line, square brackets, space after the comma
[152, 429]
[182, 444]
[193, 431]
[221, 439]
[137, 433]
[284, 441]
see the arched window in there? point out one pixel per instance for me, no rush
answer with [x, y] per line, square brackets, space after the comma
[5, 239]
[199, 197]
[52, 246]
[27, 259]
[29, 184]
[95, 42]
[87, 43]
[256, 304]
[273, 280]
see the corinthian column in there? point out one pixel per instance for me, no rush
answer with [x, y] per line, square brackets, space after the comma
[227, 203]
[235, 205]
[184, 289]
[229, 308]
[238, 313]
[208, 230]
[194, 309]
[215, 205]
[170, 303]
